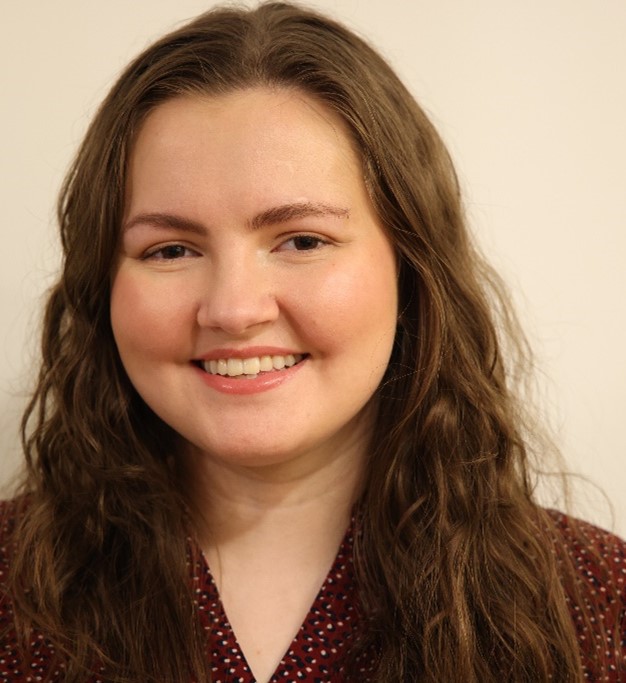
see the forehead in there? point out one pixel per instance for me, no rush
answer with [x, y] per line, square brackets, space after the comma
[252, 142]
[279, 117]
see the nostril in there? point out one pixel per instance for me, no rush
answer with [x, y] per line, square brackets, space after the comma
[236, 309]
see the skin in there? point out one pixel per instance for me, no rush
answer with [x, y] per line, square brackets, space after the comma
[247, 227]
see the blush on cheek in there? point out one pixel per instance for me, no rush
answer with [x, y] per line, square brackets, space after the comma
[143, 319]
[348, 303]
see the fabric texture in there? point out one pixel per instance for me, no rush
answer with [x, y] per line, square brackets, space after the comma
[317, 651]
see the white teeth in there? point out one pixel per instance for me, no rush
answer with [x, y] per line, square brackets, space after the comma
[266, 363]
[249, 368]
[235, 367]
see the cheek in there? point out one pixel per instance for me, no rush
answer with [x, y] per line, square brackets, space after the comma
[355, 303]
[145, 319]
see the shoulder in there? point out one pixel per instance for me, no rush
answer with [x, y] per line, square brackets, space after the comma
[598, 556]
[593, 570]
[9, 657]
[11, 513]
[16, 664]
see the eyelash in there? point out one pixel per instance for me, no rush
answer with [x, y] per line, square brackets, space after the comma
[318, 240]
[182, 251]
[158, 254]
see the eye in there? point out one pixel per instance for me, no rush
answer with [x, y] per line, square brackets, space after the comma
[302, 243]
[170, 252]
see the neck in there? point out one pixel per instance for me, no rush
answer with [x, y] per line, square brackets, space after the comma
[300, 496]
[270, 535]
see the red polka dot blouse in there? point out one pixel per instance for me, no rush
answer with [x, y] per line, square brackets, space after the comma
[317, 651]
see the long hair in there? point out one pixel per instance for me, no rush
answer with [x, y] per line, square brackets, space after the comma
[454, 560]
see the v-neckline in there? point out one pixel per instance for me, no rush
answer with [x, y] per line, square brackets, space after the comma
[317, 648]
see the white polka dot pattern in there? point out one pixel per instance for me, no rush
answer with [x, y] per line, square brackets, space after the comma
[317, 651]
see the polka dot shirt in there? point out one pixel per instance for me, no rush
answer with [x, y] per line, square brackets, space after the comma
[317, 651]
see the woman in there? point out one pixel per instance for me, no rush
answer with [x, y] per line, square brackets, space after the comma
[271, 364]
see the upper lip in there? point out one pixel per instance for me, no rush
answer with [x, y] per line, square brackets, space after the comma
[248, 352]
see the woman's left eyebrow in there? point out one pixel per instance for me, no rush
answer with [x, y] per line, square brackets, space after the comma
[289, 212]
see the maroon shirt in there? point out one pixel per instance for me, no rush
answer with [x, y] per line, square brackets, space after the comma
[316, 653]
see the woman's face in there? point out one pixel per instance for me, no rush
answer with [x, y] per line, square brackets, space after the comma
[254, 300]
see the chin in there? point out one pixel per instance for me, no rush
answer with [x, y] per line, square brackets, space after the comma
[244, 454]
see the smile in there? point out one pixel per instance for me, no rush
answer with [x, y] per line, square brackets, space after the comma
[249, 368]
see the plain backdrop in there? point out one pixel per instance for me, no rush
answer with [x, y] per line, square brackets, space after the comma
[531, 99]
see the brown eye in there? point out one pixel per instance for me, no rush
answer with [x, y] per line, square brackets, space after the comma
[173, 251]
[170, 252]
[302, 243]
[306, 242]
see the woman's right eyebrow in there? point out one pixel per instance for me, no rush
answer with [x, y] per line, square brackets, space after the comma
[165, 220]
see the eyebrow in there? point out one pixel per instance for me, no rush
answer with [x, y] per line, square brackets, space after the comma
[272, 216]
[165, 220]
[288, 212]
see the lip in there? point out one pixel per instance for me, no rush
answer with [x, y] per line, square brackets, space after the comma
[244, 387]
[248, 352]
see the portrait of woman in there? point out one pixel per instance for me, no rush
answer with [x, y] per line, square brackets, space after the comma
[277, 432]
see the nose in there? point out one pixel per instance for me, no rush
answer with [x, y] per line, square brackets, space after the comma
[239, 296]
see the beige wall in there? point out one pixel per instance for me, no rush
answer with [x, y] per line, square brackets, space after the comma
[531, 97]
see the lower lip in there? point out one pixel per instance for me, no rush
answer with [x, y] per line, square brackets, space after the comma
[264, 382]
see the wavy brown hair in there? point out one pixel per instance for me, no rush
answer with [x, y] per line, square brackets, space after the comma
[455, 562]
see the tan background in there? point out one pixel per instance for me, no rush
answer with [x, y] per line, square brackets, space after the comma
[531, 98]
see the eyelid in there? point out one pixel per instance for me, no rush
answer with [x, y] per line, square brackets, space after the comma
[153, 252]
[290, 237]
